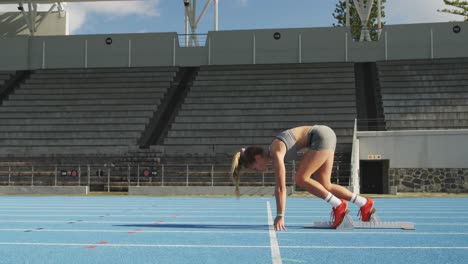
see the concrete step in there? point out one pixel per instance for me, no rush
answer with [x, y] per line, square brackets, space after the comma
[246, 141]
[67, 142]
[241, 71]
[94, 75]
[271, 93]
[425, 77]
[81, 108]
[316, 106]
[239, 133]
[55, 96]
[257, 112]
[274, 87]
[426, 116]
[429, 124]
[164, 79]
[93, 102]
[425, 102]
[403, 84]
[426, 109]
[333, 65]
[46, 151]
[69, 135]
[431, 72]
[51, 115]
[127, 85]
[425, 96]
[270, 99]
[276, 76]
[275, 82]
[424, 90]
[310, 118]
[89, 90]
[74, 127]
[75, 121]
[279, 125]
[109, 70]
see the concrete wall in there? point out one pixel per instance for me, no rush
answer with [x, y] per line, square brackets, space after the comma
[45, 190]
[420, 161]
[200, 190]
[417, 149]
[307, 45]
[14, 24]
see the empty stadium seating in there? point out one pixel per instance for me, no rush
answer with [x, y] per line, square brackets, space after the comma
[425, 94]
[81, 111]
[233, 106]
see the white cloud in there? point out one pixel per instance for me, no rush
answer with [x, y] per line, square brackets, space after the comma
[417, 11]
[243, 3]
[79, 11]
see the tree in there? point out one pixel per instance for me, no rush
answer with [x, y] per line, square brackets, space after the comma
[463, 5]
[355, 21]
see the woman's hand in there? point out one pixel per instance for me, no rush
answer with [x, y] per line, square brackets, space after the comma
[279, 224]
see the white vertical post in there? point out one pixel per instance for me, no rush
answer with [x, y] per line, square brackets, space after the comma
[209, 51]
[212, 175]
[89, 175]
[300, 48]
[129, 53]
[138, 175]
[386, 45]
[56, 172]
[346, 47]
[86, 54]
[32, 175]
[79, 175]
[432, 44]
[43, 54]
[187, 175]
[108, 179]
[9, 175]
[174, 53]
[254, 47]
[162, 177]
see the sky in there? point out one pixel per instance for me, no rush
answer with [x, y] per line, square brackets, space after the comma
[146, 16]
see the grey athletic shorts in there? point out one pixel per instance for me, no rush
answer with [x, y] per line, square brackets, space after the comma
[321, 138]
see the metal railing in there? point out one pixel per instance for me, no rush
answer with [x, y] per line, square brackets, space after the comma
[192, 40]
[110, 177]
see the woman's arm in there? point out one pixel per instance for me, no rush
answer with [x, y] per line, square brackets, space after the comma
[280, 190]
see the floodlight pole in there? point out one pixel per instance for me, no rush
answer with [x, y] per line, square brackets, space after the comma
[191, 20]
[363, 8]
[30, 14]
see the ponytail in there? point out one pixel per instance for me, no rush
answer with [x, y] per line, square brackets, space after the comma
[235, 172]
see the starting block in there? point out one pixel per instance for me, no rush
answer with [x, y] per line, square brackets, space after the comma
[374, 223]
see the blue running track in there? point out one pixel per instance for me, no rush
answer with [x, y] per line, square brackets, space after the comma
[82, 230]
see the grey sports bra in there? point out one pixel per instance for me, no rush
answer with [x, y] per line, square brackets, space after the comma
[291, 144]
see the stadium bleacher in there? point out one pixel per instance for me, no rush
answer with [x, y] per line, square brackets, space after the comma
[425, 94]
[81, 111]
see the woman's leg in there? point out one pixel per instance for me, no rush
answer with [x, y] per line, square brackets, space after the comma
[312, 161]
[323, 176]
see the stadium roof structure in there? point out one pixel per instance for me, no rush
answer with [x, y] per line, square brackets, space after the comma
[28, 9]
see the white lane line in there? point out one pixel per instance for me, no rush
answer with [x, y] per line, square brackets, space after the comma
[127, 245]
[126, 231]
[233, 232]
[275, 252]
[227, 246]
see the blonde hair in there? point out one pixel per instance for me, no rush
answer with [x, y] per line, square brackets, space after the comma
[235, 172]
[243, 158]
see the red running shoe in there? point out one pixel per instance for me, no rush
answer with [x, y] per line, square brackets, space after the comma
[365, 210]
[338, 213]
